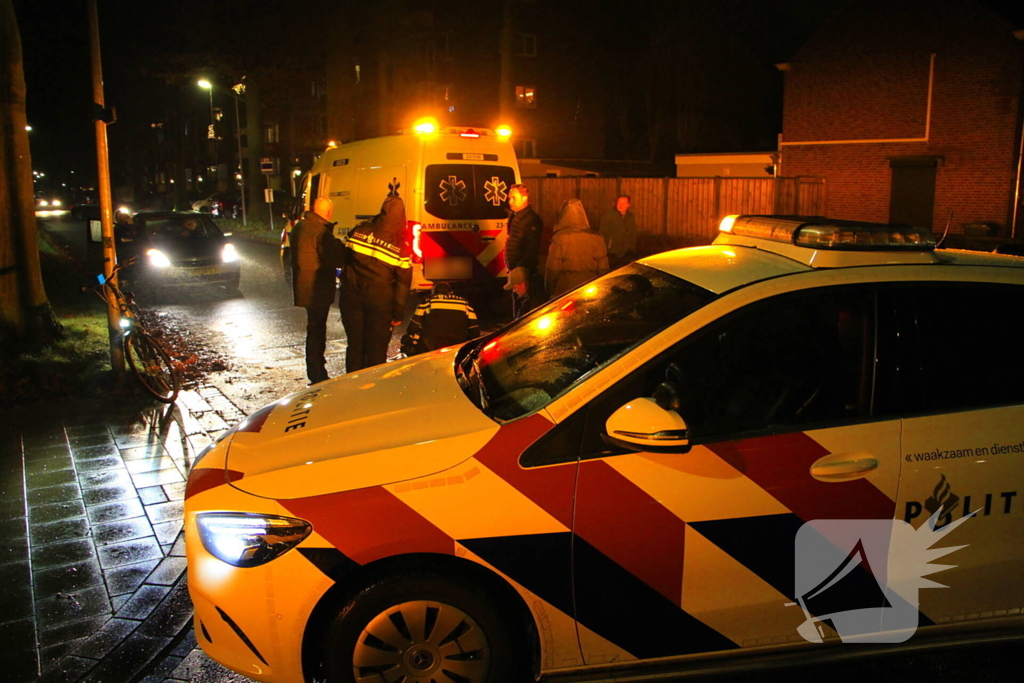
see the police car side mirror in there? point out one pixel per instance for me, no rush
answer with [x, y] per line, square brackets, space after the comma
[644, 426]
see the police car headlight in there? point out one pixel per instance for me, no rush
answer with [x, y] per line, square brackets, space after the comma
[248, 540]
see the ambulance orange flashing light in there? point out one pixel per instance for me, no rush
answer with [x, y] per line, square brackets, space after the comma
[425, 126]
[503, 131]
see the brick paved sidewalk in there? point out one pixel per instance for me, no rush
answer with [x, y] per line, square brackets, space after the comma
[93, 564]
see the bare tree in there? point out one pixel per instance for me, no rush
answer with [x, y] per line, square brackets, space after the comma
[26, 318]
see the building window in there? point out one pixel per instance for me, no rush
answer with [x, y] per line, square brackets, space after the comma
[526, 96]
[271, 134]
[526, 45]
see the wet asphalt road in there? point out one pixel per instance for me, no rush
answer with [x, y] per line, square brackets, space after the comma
[258, 331]
[261, 334]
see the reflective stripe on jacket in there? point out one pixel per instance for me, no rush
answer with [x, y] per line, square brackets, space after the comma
[443, 320]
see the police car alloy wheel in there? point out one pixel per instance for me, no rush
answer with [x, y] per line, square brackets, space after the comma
[425, 629]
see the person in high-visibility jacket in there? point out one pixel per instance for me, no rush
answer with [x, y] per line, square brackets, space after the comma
[444, 319]
[375, 284]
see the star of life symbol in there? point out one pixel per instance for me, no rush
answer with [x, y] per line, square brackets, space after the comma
[861, 577]
[496, 191]
[453, 190]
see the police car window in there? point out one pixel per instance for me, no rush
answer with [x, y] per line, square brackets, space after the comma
[544, 354]
[965, 342]
[468, 191]
[799, 359]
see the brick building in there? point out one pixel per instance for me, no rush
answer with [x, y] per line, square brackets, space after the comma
[909, 109]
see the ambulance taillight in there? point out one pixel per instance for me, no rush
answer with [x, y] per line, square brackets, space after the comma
[415, 229]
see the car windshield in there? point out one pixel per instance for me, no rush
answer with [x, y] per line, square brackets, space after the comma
[536, 359]
[176, 227]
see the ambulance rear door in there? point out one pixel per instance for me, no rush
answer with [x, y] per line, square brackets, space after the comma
[465, 218]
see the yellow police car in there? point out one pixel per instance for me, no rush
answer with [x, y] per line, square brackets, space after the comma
[624, 477]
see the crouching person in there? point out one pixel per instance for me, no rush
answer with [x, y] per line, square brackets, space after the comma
[444, 319]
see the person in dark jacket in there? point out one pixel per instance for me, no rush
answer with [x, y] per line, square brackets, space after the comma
[522, 251]
[618, 228]
[375, 284]
[315, 255]
[444, 319]
[577, 253]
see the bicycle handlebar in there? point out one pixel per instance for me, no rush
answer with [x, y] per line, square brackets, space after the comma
[124, 264]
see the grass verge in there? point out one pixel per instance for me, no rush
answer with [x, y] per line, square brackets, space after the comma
[258, 231]
[76, 365]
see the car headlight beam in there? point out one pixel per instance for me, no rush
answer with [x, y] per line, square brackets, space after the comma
[249, 540]
[158, 258]
[228, 254]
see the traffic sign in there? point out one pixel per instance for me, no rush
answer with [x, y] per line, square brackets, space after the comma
[267, 165]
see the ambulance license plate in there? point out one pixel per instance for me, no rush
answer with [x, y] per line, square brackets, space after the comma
[450, 268]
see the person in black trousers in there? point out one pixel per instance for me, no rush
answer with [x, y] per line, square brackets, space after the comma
[315, 254]
[375, 284]
[522, 252]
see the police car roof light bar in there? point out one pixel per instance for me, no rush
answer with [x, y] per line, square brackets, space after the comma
[825, 233]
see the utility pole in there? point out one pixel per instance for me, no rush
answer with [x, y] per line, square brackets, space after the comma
[106, 207]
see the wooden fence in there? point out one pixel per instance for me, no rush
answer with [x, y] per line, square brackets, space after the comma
[679, 212]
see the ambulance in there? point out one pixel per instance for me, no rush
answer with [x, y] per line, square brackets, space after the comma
[715, 457]
[455, 183]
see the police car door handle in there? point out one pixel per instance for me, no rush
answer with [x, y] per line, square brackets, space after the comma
[843, 466]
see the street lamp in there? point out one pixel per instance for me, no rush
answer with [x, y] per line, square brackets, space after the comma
[207, 85]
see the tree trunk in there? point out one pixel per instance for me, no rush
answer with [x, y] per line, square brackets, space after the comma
[26, 319]
[255, 182]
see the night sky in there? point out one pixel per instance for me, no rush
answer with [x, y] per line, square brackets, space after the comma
[56, 54]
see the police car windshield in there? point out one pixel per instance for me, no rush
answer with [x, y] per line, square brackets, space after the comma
[539, 357]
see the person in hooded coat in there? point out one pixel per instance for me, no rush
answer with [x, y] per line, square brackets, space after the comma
[315, 255]
[577, 252]
[375, 285]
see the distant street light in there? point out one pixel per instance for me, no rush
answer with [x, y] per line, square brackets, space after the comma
[207, 85]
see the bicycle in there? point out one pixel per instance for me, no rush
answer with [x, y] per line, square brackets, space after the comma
[147, 359]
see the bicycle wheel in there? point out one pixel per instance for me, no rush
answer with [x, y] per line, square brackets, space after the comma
[152, 366]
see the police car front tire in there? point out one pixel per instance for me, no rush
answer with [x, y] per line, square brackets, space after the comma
[421, 629]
